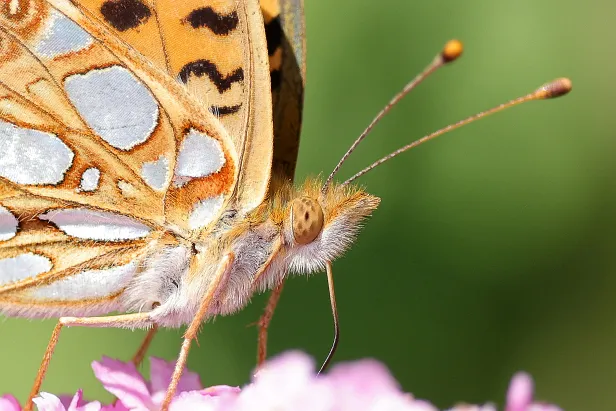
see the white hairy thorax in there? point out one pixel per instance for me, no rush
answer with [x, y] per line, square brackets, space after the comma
[263, 256]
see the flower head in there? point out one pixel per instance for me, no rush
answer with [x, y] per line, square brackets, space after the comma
[286, 383]
[289, 382]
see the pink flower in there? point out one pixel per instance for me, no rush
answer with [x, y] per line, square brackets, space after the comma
[520, 395]
[286, 383]
[289, 383]
[134, 393]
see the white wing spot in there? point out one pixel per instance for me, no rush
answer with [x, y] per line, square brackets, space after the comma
[31, 156]
[200, 155]
[155, 173]
[204, 212]
[96, 225]
[127, 189]
[8, 224]
[90, 179]
[88, 284]
[23, 266]
[115, 104]
[62, 36]
[14, 7]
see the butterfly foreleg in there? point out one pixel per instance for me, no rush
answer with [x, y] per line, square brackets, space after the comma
[219, 282]
[139, 320]
[264, 322]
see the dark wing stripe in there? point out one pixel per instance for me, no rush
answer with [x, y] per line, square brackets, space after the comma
[123, 15]
[206, 67]
[225, 110]
[220, 24]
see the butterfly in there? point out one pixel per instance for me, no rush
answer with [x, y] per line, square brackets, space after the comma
[146, 160]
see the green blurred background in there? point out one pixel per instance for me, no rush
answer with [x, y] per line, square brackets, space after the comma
[494, 249]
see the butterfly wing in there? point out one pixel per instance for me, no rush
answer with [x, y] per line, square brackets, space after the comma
[285, 31]
[216, 50]
[284, 28]
[103, 150]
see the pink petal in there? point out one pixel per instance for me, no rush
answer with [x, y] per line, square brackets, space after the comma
[78, 404]
[66, 399]
[48, 402]
[195, 400]
[9, 403]
[286, 383]
[520, 392]
[392, 403]
[114, 407]
[219, 390]
[91, 406]
[366, 377]
[122, 380]
[368, 385]
[76, 401]
[290, 366]
[467, 407]
[544, 407]
[160, 377]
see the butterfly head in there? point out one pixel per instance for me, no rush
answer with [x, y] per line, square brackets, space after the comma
[320, 226]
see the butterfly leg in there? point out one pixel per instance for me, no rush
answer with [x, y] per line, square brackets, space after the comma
[218, 283]
[264, 322]
[140, 320]
[145, 345]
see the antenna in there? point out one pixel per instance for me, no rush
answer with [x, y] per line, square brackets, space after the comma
[452, 50]
[556, 88]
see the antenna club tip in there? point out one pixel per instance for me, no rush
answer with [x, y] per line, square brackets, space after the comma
[452, 50]
[553, 89]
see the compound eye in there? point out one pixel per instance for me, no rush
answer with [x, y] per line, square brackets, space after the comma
[306, 220]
